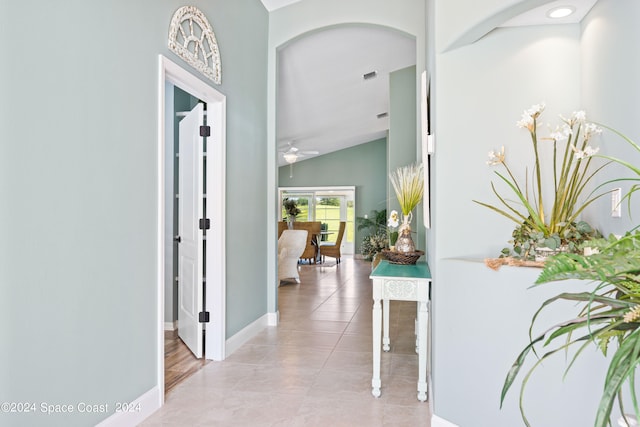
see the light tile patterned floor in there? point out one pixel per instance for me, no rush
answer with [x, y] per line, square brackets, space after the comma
[314, 369]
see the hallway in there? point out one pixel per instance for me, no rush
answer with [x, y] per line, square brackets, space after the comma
[314, 369]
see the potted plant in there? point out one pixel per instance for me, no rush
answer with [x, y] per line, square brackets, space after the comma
[392, 228]
[608, 315]
[408, 184]
[376, 240]
[537, 226]
[373, 245]
[291, 207]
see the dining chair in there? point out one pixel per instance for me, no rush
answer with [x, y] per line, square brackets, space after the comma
[311, 251]
[291, 245]
[282, 225]
[332, 249]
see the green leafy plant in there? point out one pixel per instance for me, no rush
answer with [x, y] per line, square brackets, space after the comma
[408, 184]
[373, 222]
[609, 314]
[526, 240]
[373, 244]
[571, 168]
[291, 207]
[376, 240]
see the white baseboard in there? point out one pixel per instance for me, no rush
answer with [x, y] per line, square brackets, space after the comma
[236, 341]
[436, 421]
[170, 326]
[141, 408]
[273, 318]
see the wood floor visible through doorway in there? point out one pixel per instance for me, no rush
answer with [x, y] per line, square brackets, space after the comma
[179, 362]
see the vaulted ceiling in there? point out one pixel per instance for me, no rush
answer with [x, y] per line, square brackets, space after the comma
[325, 104]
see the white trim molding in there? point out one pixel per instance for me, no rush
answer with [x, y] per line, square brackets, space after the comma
[248, 332]
[141, 408]
[273, 318]
[170, 72]
[436, 421]
[170, 326]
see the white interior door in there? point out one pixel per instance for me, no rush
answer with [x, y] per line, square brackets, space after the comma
[190, 246]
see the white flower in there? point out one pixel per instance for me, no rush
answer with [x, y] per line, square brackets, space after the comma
[525, 122]
[529, 116]
[561, 134]
[496, 157]
[580, 116]
[591, 129]
[583, 154]
[394, 220]
[535, 110]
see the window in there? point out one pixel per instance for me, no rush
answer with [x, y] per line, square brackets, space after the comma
[329, 205]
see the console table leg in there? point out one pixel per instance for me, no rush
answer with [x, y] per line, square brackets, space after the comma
[386, 342]
[377, 323]
[422, 351]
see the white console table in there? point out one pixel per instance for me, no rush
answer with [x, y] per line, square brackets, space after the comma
[402, 283]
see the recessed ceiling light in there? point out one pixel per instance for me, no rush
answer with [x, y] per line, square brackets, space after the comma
[382, 115]
[560, 12]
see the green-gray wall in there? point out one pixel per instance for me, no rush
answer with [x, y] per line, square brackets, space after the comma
[402, 148]
[78, 184]
[363, 166]
[402, 123]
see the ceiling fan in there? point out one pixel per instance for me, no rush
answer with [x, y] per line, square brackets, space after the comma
[294, 153]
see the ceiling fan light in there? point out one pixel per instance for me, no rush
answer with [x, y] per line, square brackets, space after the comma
[290, 157]
[560, 12]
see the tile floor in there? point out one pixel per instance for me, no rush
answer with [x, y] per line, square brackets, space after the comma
[314, 368]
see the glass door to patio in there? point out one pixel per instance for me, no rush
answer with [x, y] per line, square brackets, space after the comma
[330, 206]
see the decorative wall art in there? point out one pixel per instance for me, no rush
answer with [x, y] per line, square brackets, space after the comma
[192, 39]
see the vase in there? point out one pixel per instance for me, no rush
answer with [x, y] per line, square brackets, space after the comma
[405, 242]
[291, 219]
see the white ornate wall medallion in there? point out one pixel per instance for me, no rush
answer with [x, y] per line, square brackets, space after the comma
[192, 39]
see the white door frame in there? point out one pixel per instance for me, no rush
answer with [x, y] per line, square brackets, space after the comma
[170, 72]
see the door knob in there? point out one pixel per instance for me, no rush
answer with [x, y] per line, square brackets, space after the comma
[177, 239]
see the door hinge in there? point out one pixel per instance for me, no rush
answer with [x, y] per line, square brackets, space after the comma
[205, 224]
[203, 317]
[205, 130]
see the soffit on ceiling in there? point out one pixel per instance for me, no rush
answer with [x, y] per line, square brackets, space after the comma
[277, 4]
[538, 15]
